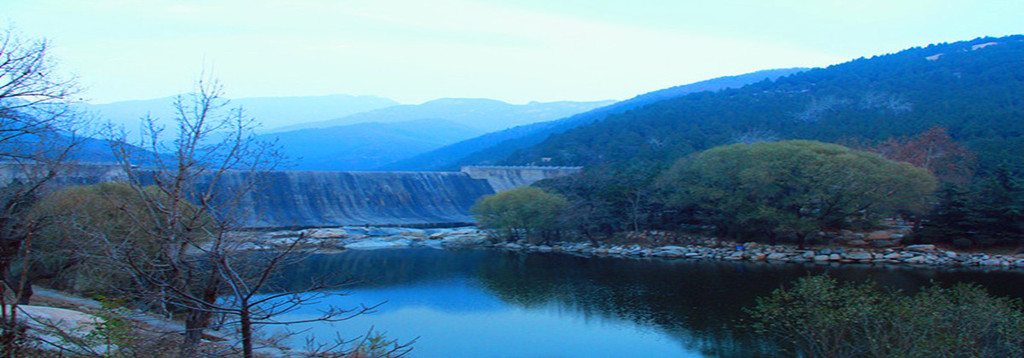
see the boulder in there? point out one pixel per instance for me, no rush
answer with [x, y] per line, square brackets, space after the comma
[377, 244]
[859, 255]
[332, 233]
[465, 240]
[916, 260]
[926, 247]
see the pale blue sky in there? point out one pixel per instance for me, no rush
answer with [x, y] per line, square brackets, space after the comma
[511, 50]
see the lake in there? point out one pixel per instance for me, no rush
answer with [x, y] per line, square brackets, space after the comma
[494, 303]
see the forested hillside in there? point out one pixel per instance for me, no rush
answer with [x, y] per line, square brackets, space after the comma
[972, 88]
[494, 147]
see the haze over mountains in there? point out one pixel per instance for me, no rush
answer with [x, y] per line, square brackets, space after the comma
[361, 132]
[486, 115]
[272, 112]
[970, 87]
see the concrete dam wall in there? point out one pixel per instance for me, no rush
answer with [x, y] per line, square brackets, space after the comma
[287, 199]
[357, 198]
[307, 198]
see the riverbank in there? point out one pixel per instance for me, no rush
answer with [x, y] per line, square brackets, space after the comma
[367, 238]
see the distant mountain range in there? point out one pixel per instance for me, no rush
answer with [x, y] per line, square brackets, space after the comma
[378, 137]
[972, 88]
[365, 146]
[270, 111]
[342, 132]
[495, 147]
[485, 115]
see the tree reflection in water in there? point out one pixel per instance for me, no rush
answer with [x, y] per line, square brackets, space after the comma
[700, 304]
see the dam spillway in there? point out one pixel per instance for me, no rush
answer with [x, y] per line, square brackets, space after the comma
[361, 198]
[310, 198]
[322, 198]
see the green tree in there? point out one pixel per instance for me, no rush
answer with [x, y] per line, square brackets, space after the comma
[791, 189]
[1000, 207]
[953, 218]
[78, 221]
[818, 317]
[521, 213]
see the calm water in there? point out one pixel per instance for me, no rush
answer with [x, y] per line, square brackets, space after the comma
[490, 303]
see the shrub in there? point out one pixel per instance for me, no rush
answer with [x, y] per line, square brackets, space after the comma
[817, 317]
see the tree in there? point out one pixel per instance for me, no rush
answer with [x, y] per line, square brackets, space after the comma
[525, 212]
[953, 218]
[37, 132]
[68, 251]
[934, 151]
[193, 220]
[818, 317]
[999, 209]
[608, 199]
[793, 188]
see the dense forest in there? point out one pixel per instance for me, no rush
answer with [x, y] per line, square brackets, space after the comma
[496, 146]
[970, 88]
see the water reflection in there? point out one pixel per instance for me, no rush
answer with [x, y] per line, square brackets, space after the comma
[496, 303]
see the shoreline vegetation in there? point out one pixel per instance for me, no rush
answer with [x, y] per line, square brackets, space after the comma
[880, 247]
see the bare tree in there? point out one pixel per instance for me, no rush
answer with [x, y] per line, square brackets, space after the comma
[37, 132]
[193, 180]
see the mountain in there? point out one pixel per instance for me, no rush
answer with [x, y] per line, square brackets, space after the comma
[486, 115]
[365, 146]
[972, 88]
[496, 146]
[270, 111]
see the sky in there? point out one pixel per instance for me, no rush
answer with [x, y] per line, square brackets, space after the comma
[511, 50]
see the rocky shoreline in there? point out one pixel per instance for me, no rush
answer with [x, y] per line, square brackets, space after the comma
[368, 238]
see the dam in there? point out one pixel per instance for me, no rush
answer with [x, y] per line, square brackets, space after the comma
[321, 198]
[303, 199]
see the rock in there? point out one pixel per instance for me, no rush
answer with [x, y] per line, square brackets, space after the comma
[668, 253]
[950, 254]
[857, 242]
[879, 235]
[821, 257]
[860, 256]
[333, 233]
[892, 256]
[377, 244]
[777, 256]
[926, 247]
[834, 257]
[465, 240]
[994, 262]
[679, 248]
[544, 248]
[916, 260]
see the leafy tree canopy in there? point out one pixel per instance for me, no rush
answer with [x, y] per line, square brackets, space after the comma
[525, 212]
[793, 188]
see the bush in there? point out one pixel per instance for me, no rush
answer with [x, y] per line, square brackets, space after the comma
[792, 189]
[817, 317]
[527, 212]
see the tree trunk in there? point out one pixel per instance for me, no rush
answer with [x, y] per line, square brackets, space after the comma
[246, 323]
[199, 319]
